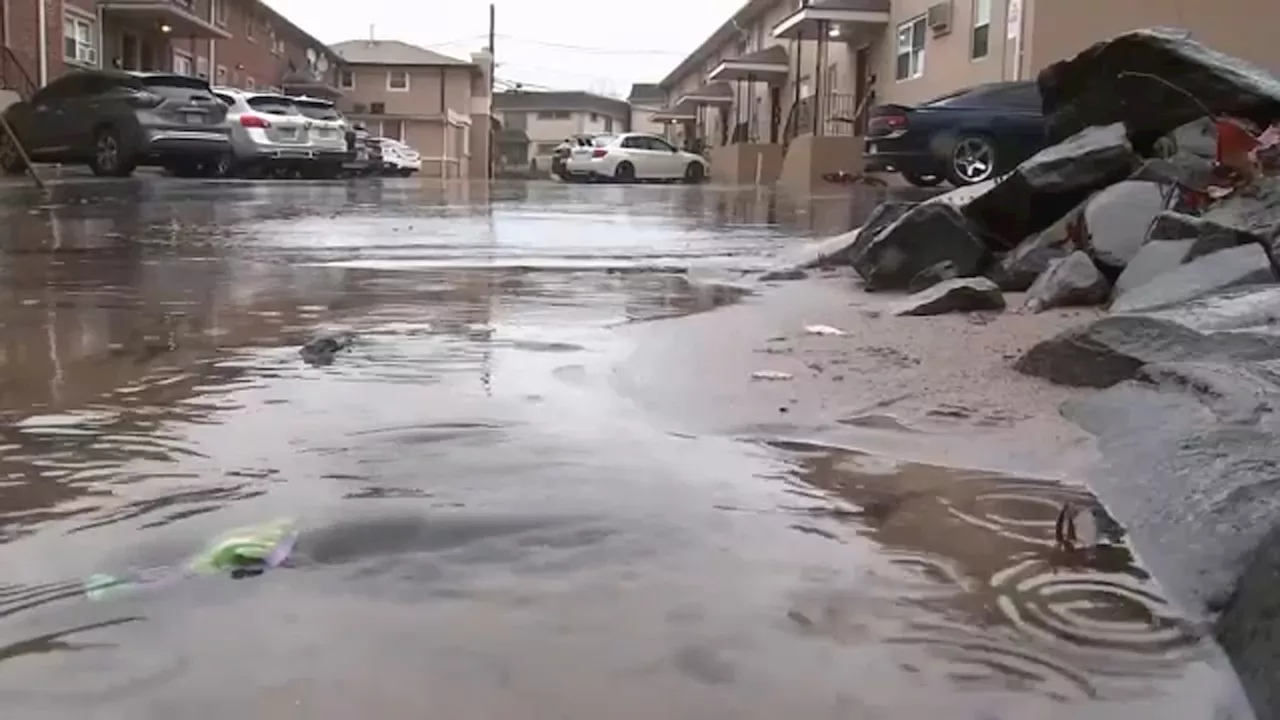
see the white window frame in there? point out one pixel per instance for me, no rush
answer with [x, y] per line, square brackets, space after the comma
[981, 19]
[86, 53]
[220, 12]
[202, 67]
[220, 75]
[184, 56]
[915, 63]
[393, 88]
[343, 75]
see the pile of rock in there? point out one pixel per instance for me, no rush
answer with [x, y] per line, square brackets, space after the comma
[1097, 217]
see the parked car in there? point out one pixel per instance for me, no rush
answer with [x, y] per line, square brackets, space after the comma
[634, 156]
[366, 156]
[269, 134]
[328, 134]
[115, 121]
[561, 154]
[398, 158]
[964, 137]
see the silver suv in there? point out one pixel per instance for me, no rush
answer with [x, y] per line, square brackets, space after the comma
[269, 135]
[331, 136]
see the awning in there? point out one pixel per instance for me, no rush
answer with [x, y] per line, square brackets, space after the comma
[715, 93]
[839, 19]
[768, 65]
[680, 112]
[166, 17]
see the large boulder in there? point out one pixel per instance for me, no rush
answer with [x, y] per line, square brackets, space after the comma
[1116, 222]
[922, 237]
[967, 294]
[1028, 261]
[1223, 270]
[932, 275]
[837, 249]
[1050, 183]
[1069, 282]
[1254, 209]
[1154, 81]
[1113, 349]
[1153, 260]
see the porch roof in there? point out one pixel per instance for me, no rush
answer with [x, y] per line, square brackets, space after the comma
[712, 93]
[162, 14]
[680, 112]
[838, 18]
[768, 65]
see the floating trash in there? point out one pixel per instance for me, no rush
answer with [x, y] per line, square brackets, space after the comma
[823, 330]
[771, 375]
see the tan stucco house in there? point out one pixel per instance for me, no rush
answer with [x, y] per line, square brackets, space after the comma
[533, 123]
[775, 91]
[435, 103]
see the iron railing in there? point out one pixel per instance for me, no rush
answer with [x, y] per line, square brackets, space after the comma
[14, 75]
[834, 114]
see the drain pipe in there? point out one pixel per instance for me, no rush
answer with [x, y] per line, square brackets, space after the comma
[42, 41]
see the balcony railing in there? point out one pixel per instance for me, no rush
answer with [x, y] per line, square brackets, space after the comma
[834, 114]
[14, 76]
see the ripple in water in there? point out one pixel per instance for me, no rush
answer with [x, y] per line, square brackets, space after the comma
[1003, 608]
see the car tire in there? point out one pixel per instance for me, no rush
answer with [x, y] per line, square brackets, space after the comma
[11, 161]
[972, 160]
[923, 181]
[220, 166]
[695, 173]
[110, 159]
[406, 173]
[624, 172]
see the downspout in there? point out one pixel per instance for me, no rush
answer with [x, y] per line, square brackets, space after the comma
[42, 42]
[213, 44]
[444, 125]
[102, 37]
[795, 103]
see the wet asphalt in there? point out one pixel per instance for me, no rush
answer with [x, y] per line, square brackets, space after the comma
[494, 522]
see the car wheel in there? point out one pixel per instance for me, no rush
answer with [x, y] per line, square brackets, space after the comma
[624, 172]
[694, 173]
[221, 166]
[110, 159]
[924, 181]
[973, 160]
[406, 172]
[10, 159]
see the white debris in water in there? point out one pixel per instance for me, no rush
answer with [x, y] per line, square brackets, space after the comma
[823, 330]
[771, 375]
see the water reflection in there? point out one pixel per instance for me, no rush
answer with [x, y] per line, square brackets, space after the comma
[999, 605]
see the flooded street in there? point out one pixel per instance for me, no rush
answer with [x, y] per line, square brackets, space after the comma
[525, 491]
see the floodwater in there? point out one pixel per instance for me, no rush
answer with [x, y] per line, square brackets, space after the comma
[492, 528]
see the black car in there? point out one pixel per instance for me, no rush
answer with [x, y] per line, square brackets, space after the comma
[114, 121]
[964, 137]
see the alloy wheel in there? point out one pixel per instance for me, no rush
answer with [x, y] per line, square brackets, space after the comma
[973, 160]
[108, 153]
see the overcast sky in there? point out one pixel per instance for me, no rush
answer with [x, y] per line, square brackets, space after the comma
[599, 45]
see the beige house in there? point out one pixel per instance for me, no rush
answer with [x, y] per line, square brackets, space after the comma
[437, 104]
[775, 92]
[645, 100]
[533, 123]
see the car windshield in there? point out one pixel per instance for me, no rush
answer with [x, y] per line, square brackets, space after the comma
[602, 140]
[176, 86]
[318, 110]
[273, 105]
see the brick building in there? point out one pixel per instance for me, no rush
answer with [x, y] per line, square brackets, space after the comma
[235, 42]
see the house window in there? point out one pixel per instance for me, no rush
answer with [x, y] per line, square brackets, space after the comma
[182, 64]
[608, 124]
[595, 117]
[250, 24]
[79, 40]
[911, 49]
[202, 67]
[829, 81]
[277, 46]
[393, 129]
[398, 80]
[553, 115]
[980, 38]
[377, 108]
[220, 12]
[346, 80]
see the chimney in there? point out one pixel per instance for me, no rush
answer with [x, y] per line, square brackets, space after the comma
[371, 40]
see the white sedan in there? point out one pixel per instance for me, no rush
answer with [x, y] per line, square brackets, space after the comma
[634, 156]
[398, 158]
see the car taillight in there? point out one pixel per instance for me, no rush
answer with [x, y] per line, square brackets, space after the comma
[599, 153]
[145, 100]
[254, 121]
[885, 124]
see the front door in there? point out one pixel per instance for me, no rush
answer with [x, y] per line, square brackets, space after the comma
[129, 52]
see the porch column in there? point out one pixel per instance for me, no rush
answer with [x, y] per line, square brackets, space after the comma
[752, 121]
[819, 55]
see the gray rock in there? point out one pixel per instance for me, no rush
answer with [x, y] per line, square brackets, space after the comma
[1050, 183]
[932, 275]
[1249, 630]
[1155, 258]
[1092, 89]
[1069, 282]
[925, 236]
[1187, 171]
[885, 214]
[325, 345]
[955, 295]
[1113, 349]
[837, 250]
[1116, 221]
[1033, 256]
[1225, 269]
[1252, 308]
[1211, 236]
[1254, 209]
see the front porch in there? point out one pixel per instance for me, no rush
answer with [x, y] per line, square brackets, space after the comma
[149, 35]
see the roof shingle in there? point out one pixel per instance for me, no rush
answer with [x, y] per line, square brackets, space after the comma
[390, 52]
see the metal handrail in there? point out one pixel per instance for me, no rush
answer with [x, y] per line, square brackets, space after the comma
[14, 75]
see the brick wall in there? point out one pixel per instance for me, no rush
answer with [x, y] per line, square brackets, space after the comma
[22, 38]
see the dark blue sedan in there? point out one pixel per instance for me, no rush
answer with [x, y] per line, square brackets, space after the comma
[964, 137]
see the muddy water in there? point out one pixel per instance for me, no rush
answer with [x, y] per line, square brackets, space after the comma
[490, 527]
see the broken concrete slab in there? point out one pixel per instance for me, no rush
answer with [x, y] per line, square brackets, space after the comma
[836, 250]
[1072, 281]
[932, 275]
[1110, 82]
[1112, 349]
[1050, 183]
[1153, 260]
[967, 294]
[922, 237]
[1116, 221]
[1225, 269]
